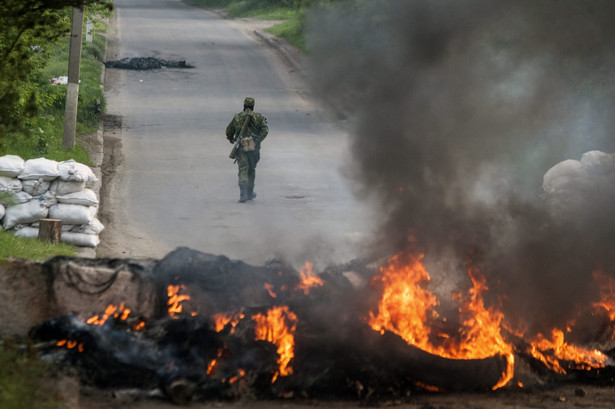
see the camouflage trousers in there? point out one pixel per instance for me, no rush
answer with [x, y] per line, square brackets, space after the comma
[246, 163]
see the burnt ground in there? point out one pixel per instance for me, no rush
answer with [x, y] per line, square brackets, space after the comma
[564, 397]
[569, 395]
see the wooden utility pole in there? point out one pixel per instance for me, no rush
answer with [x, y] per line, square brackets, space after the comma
[72, 88]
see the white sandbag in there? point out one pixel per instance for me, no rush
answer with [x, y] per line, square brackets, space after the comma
[11, 165]
[72, 214]
[60, 187]
[85, 197]
[27, 232]
[48, 199]
[40, 168]
[71, 171]
[24, 213]
[14, 199]
[35, 187]
[2, 211]
[65, 227]
[95, 227]
[10, 185]
[80, 239]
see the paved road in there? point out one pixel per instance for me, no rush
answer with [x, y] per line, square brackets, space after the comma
[176, 185]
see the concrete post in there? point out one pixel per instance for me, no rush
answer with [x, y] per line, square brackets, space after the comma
[72, 88]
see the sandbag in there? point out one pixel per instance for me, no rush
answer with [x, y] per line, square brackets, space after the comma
[40, 168]
[27, 232]
[65, 227]
[24, 213]
[85, 197]
[14, 199]
[80, 239]
[11, 165]
[10, 185]
[48, 199]
[60, 187]
[72, 214]
[71, 171]
[95, 227]
[35, 187]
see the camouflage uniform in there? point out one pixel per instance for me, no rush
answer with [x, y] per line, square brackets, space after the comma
[246, 161]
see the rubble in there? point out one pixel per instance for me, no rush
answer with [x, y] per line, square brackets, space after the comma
[145, 63]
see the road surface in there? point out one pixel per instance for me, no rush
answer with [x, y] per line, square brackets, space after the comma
[174, 184]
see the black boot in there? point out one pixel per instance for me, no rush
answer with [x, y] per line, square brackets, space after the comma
[251, 193]
[243, 193]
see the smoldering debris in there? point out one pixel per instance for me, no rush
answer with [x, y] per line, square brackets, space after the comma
[224, 329]
[460, 108]
[146, 63]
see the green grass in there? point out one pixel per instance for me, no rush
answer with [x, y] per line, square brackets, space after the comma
[21, 375]
[292, 31]
[17, 247]
[291, 28]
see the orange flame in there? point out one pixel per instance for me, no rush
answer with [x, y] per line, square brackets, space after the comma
[212, 364]
[69, 344]
[559, 350]
[269, 288]
[607, 294]
[222, 320]
[308, 279]
[405, 307]
[111, 311]
[278, 327]
[175, 299]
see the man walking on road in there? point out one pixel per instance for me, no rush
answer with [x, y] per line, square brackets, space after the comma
[251, 129]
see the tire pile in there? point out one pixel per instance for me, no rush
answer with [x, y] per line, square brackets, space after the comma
[41, 188]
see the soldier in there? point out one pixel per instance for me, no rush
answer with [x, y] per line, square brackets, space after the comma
[253, 129]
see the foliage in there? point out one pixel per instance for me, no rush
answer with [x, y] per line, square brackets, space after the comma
[29, 29]
[20, 380]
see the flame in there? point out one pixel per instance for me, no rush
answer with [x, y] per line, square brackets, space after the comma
[269, 288]
[560, 350]
[278, 327]
[175, 299]
[406, 307]
[120, 312]
[70, 344]
[240, 374]
[308, 279]
[222, 320]
[212, 364]
[607, 293]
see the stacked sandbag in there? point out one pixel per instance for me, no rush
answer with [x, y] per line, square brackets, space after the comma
[42, 188]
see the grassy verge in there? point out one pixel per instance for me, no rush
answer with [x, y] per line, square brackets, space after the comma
[290, 28]
[21, 381]
[11, 246]
[44, 136]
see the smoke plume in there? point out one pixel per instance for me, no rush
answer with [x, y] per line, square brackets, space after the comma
[459, 109]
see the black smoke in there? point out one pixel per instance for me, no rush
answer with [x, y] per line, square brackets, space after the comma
[459, 108]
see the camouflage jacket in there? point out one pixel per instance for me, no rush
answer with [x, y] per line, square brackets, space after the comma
[257, 128]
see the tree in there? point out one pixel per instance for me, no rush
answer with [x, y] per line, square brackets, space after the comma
[27, 29]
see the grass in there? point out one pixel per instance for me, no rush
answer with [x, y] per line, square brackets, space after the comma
[291, 28]
[11, 246]
[21, 375]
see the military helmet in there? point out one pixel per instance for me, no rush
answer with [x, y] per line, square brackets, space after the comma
[248, 102]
